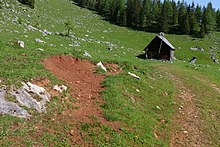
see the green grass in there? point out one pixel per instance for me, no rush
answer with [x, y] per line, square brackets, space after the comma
[137, 111]
[207, 98]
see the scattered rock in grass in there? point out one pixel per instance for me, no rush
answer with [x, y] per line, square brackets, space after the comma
[165, 93]
[133, 75]
[23, 96]
[76, 43]
[132, 99]
[39, 40]
[46, 32]
[110, 48]
[181, 107]
[40, 91]
[39, 49]
[137, 90]
[197, 49]
[158, 107]
[25, 99]
[101, 66]
[31, 28]
[60, 88]
[72, 133]
[151, 87]
[21, 43]
[11, 108]
[193, 60]
[87, 54]
[29, 95]
[155, 135]
[214, 59]
[185, 132]
[16, 31]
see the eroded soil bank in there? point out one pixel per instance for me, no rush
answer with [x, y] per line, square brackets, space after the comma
[79, 75]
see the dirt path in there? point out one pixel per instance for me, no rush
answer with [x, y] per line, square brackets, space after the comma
[186, 130]
[85, 86]
[187, 123]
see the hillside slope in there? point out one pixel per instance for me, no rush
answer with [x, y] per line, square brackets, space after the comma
[151, 111]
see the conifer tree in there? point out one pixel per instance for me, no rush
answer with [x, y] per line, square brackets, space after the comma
[121, 18]
[136, 13]
[145, 18]
[198, 14]
[83, 3]
[218, 19]
[164, 19]
[129, 11]
[192, 19]
[186, 25]
[175, 13]
[156, 11]
[202, 32]
[181, 17]
[104, 7]
[114, 10]
[155, 14]
[91, 4]
[209, 20]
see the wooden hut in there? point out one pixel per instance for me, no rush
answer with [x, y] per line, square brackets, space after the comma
[160, 48]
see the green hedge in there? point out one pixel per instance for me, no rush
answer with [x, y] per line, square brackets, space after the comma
[28, 2]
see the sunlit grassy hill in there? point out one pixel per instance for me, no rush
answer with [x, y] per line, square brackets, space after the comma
[44, 31]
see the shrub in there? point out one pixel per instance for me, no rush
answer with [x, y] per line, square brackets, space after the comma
[28, 2]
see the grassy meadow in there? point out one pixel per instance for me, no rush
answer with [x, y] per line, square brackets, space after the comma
[139, 105]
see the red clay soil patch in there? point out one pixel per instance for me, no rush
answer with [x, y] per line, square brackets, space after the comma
[85, 86]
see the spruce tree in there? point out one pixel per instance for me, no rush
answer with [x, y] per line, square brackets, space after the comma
[91, 4]
[121, 17]
[218, 19]
[157, 15]
[83, 3]
[156, 11]
[181, 17]
[175, 13]
[202, 32]
[104, 7]
[192, 19]
[145, 18]
[164, 18]
[136, 13]
[186, 25]
[114, 10]
[209, 20]
[198, 14]
[142, 17]
[129, 11]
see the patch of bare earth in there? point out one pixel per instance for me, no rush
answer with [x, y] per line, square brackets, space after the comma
[186, 129]
[85, 86]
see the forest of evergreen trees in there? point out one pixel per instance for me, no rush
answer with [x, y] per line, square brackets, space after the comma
[154, 15]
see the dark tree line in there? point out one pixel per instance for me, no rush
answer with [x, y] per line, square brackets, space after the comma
[153, 15]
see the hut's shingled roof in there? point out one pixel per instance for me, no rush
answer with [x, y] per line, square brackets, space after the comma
[166, 41]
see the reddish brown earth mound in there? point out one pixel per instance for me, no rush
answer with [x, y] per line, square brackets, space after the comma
[85, 86]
